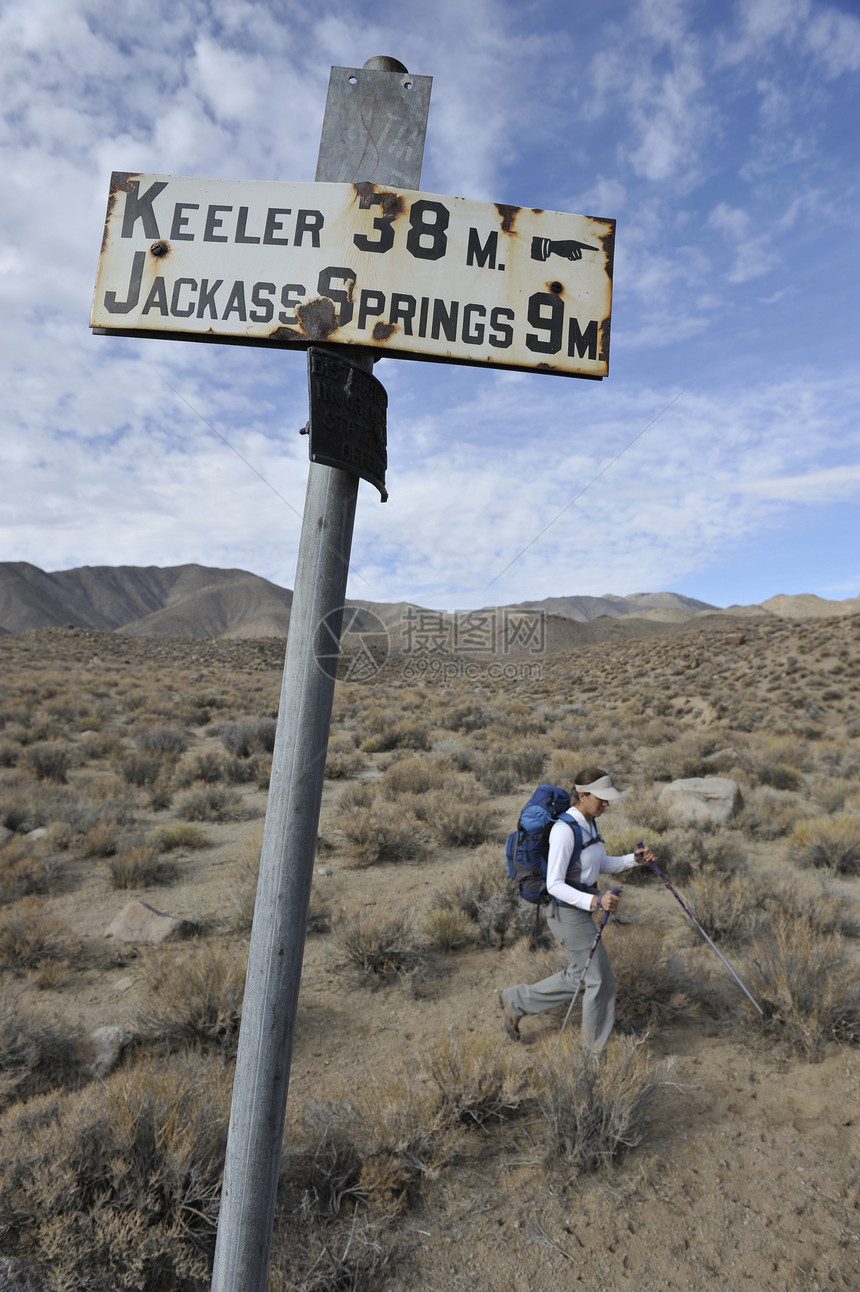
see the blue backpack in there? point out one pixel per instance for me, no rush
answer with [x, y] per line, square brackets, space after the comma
[527, 846]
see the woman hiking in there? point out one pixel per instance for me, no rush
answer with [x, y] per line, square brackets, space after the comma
[571, 881]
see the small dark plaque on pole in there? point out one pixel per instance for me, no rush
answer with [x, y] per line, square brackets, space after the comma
[348, 423]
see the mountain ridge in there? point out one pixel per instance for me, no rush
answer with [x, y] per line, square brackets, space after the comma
[210, 603]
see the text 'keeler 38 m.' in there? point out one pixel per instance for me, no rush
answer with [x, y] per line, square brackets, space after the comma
[397, 271]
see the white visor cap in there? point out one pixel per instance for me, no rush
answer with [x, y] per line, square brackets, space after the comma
[601, 789]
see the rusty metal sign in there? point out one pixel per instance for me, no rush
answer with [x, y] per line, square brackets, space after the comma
[404, 273]
[348, 417]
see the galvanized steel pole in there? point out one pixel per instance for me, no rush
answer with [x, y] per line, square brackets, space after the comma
[377, 141]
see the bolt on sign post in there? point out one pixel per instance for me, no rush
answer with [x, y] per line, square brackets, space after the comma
[356, 266]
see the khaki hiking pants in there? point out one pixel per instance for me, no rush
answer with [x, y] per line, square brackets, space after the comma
[575, 930]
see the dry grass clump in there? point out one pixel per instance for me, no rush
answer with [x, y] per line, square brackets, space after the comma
[161, 740]
[31, 939]
[446, 929]
[342, 759]
[34, 1057]
[382, 833]
[832, 843]
[412, 775]
[181, 834]
[807, 985]
[380, 947]
[138, 864]
[248, 736]
[729, 907]
[458, 819]
[476, 1080]
[48, 761]
[639, 810]
[197, 997]
[25, 870]
[769, 813]
[351, 1168]
[207, 766]
[511, 765]
[593, 1107]
[117, 1188]
[211, 803]
[489, 899]
[653, 982]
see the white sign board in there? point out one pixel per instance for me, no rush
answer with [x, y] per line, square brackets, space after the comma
[401, 272]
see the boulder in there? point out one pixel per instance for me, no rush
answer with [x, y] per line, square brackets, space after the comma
[139, 922]
[701, 798]
[5, 833]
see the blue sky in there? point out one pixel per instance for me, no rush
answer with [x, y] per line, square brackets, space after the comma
[721, 136]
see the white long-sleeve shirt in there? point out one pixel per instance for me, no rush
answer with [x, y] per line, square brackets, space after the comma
[593, 860]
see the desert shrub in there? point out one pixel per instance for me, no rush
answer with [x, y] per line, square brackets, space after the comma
[464, 717]
[342, 758]
[197, 997]
[654, 984]
[137, 864]
[640, 810]
[182, 834]
[807, 985]
[729, 907]
[49, 761]
[30, 938]
[248, 736]
[446, 929]
[714, 850]
[211, 803]
[835, 795]
[593, 1107]
[102, 744]
[380, 947]
[145, 768]
[769, 814]
[832, 843]
[161, 740]
[207, 766]
[357, 1157]
[24, 870]
[476, 1081]
[412, 776]
[100, 840]
[34, 1057]
[117, 1188]
[382, 833]
[522, 762]
[458, 822]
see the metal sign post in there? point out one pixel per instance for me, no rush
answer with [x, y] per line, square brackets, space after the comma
[364, 263]
[373, 131]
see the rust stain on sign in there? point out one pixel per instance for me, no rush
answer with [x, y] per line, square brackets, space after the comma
[509, 216]
[391, 204]
[318, 319]
[160, 249]
[608, 241]
[383, 331]
[604, 341]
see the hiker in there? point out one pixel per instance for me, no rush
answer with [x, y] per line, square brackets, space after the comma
[571, 882]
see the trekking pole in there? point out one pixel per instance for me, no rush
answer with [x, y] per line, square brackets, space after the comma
[600, 928]
[687, 911]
